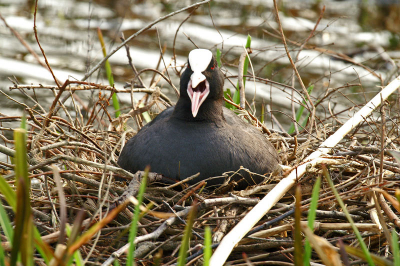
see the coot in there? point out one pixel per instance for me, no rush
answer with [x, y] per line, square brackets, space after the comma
[199, 134]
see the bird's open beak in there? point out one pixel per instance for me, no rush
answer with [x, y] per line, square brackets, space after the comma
[198, 90]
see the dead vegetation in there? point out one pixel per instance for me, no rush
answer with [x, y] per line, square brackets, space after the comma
[83, 143]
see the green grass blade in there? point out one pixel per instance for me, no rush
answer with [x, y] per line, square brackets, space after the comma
[23, 235]
[305, 120]
[396, 251]
[186, 237]
[28, 245]
[19, 211]
[75, 231]
[226, 93]
[312, 213]
[364, 248]
[8, 193]
[21, 205]
[134, 224]
[6, 224]
[77, 257]
[19, 227]
[236, 96]
[43, 248]
[300, 111]
[379, 261]
[2, 257]
[218, 57]
[23, 186]
[109, 74]
[116, 105]
[207, 246]
[246, 60]
[23, 121]
[236, 99]
[262, 118]
[145, 115]
[11, 198]
[21, 159]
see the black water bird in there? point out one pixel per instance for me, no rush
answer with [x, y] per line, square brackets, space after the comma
[199, 134]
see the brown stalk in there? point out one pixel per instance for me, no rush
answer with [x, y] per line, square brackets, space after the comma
[295, 69]
[191, 192]
[176, 35]
[128, 55]
[297, 57]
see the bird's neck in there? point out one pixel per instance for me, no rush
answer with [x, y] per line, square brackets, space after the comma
[210, 110]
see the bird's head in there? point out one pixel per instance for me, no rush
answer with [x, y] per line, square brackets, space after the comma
[202, 80]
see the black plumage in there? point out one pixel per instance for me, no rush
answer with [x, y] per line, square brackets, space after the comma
[200, 135]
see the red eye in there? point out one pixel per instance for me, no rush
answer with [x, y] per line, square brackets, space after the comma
[212, 68]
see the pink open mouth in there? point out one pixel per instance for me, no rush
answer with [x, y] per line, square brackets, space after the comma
[198, 95]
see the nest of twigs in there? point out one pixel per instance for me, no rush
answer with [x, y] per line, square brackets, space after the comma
[84, 148]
